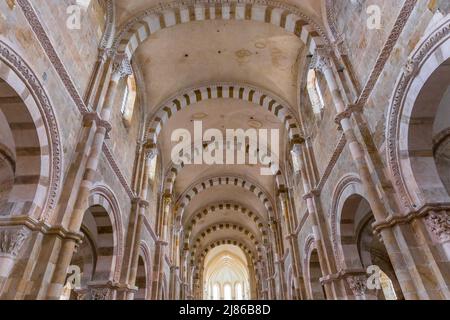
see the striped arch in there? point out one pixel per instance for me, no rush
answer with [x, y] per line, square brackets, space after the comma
[174, 170]
[223, 181]
[141, 27]
[312, 270]
[198, 260]
[258, 97]
[35, 156]
[144, 273]
[223, 226]
[225, 205]
[106, 212]
[347, 187]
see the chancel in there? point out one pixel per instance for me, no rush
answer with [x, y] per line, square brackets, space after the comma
[348, 193]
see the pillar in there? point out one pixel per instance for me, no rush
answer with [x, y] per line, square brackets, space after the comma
[323, 63]
[121, 69]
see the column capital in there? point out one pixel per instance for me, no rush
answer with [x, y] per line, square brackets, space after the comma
[321, 59]
[12, 240]
[150, 153]
[95, 117]
[311, 194]
[292, 236]
[347, 113]
[167, 199]
[358, 284]
[141, 202]
[121, 67]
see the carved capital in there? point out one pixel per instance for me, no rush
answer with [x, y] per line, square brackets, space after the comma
[347, 113]
[94, 117]
[12, 240]
[150, 154]
[438, 222]
[311, 194]
[358, 285]
[101, 294]
[321, 60]
[121, 67]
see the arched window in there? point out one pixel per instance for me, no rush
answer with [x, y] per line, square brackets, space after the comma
[314, 92]
[216, 292]
[128, 100]
[227, 292]
[239, 291]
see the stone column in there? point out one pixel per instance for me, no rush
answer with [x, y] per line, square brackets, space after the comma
[94, 89]
[157, 267]
[311, 206]
[121, 69]
[324, 64]
[173, 281]
[143, 206]
[293, 245]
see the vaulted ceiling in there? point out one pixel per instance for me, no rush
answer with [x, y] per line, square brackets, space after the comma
[177, 60]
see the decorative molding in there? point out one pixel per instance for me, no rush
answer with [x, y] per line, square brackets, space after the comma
[23, 70]
[110, 28]
[109, 156]
[38, 29]
[40, 226]
[334, 158]
[414, 63]
[343, 184]
[385, 53]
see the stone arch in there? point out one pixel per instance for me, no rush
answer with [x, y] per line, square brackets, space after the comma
[269, 101]
[348, 185]
[36, 160]
[109, 224]
[354, 244]
[143, 276]
[207, 183]
[225, 205]
[313, 272]
[406, 160]
[174, 169]
[289, 18]
[224, 226]
[198, 258]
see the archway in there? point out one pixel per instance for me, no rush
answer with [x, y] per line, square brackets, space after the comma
[226, 275]
[141, 280]
[26, 171]
[95, 258]
[314, 274]
[361, 250]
